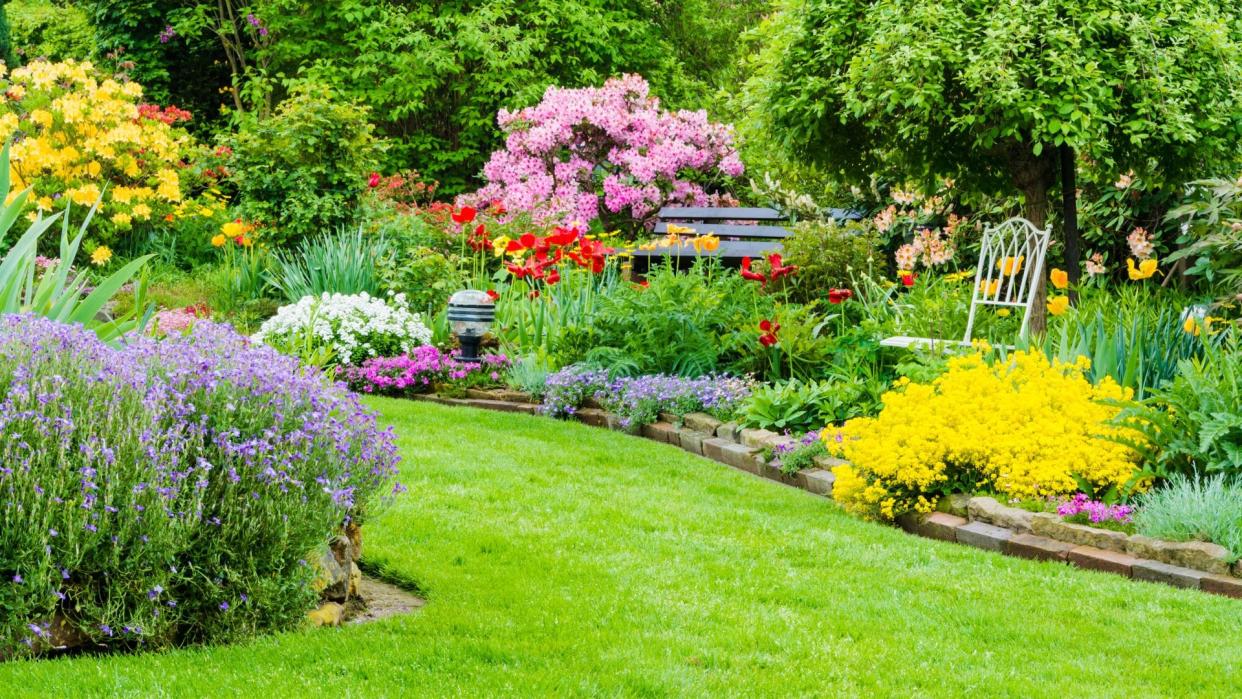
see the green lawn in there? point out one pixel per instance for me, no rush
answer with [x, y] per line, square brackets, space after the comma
[562, 560]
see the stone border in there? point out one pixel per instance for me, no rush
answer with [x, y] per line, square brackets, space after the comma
[981, 522]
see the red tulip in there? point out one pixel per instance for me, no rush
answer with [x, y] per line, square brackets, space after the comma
[839, 295]
[769, 329]
[374, 180]
[778, 269]
[753, 276]
[491, 294]
[907, 279]
[563, 236]
[527, 241]
[464, 215]
[554, 276]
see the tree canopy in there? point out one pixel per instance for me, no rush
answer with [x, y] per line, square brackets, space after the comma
[987, 92]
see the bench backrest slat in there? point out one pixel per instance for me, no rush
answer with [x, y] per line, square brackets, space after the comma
[727, 230]
[708, 213]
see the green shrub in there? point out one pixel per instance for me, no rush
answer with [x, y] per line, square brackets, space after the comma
[802, 406]
[303, 169]
[53, 30]
[1192, 509]
[1194, 424]
[339, 263]
[828, 256]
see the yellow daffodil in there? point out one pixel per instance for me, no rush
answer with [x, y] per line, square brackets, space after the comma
[101, 255]
[1145, 269]
[1059, 277]
[1058, 305]
[1010, 265]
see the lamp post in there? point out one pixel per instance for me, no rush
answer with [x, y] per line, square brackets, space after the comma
[470, 315]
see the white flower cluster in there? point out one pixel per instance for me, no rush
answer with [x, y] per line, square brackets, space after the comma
[356, 327]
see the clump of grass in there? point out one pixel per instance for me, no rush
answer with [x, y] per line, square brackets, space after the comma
[1194, 509]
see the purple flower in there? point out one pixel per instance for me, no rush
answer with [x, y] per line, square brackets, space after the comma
[224, 606]
[168, 34]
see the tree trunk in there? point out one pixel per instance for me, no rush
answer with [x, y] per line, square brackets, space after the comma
[1069, 211]
[1034, 183]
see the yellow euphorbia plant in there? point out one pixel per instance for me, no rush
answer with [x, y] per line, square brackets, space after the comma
[78, 133]
[1024, 427]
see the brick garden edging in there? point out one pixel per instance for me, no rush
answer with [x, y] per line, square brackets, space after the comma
[981, 522]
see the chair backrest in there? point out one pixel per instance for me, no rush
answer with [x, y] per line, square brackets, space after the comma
[1011, 265]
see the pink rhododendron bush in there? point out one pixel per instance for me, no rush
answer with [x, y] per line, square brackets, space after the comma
[607, 153]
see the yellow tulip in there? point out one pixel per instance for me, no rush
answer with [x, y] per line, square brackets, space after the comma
[1058, 305]
[1010, 265]
[1145, 269]
[989, 289]
[219, 240]
[674, 229]
[1060, 279]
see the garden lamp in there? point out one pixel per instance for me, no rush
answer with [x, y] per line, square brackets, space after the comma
[470, 315]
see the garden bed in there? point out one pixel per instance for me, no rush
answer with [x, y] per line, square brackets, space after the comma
[981, 522]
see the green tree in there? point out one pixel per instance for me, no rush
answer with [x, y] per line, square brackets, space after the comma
[1001, 95]
[6, 36]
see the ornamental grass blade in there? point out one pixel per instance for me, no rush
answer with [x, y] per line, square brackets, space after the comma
[90, 306]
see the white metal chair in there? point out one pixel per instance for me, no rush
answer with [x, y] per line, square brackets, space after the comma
[1011, 263]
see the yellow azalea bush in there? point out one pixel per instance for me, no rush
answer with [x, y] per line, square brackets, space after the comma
[78, 134]
[1026, 427]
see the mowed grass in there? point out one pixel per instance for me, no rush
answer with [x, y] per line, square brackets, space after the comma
[562, 560]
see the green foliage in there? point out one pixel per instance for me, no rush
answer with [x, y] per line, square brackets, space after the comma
[986, 92]
[1213, 239]
[189, 71]
[801, 406]
[434, 76]
[52, 30]
[683, 323]
[827, 256]
[59, 292]
[1135, 337]
[303, 169]
[1194, 509]
[529, 375]
[1194, 424]
[341, 263]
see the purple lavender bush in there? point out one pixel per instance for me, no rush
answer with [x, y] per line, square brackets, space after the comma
[639, 400]
[161, 492]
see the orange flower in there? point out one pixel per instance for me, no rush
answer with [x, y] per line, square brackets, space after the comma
[1060, 278]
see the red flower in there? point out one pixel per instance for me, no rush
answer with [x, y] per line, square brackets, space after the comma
[491, 294]
[591, 254]
[839, 295]
[464, 215]
[553, 277]
[768, 329]
[527, 241]
[497, 208]
[778, 269]
[478, 240]
[374, 180]
[907, 279]
[753, 276]
[563, 236]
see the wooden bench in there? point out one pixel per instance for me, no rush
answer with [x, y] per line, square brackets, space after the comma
[743, 232]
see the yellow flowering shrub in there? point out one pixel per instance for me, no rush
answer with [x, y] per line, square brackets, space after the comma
[1026, 427]
[78, 134]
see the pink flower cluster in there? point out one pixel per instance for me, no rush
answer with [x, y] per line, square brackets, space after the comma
[1094, 510]
[419, 371]
[931, 247]
[611, 145]
[179, 320]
